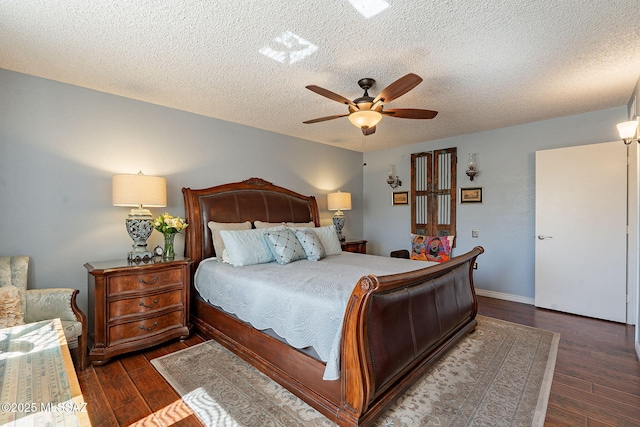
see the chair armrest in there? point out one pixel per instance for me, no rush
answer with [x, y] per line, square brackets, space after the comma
[45, 304]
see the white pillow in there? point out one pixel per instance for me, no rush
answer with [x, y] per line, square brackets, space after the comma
[310, 224]
[248, 247]
[215, 227]
[262, 224]
[329, 238]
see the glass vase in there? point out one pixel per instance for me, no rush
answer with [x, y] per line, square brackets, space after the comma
[169, 252]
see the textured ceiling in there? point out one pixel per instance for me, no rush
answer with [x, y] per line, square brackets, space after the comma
[486, 64]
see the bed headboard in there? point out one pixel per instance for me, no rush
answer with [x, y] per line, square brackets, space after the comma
[252, 200]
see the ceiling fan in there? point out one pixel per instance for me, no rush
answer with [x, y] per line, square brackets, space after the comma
[366, 112]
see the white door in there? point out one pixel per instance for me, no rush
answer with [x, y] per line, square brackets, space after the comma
[581, 199]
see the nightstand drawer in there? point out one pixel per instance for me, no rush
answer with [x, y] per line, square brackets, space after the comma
[142, 328]
[145, 281]
[147, 303]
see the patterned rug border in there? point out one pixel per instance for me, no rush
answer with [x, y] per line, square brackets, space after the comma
[545, 389]
[542, 401]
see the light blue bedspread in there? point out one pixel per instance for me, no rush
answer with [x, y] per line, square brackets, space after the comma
[303, 302]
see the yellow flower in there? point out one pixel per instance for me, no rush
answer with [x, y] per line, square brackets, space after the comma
[168, 224]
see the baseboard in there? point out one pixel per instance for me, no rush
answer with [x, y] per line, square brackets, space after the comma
[507, 297]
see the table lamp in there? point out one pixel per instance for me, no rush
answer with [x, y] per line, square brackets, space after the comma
[139, 191]
[338, 202]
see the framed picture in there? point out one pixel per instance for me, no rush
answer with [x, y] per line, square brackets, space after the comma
[401, 198]
[471, 195]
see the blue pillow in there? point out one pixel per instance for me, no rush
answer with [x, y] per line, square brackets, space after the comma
[284, 246]
[310, 243]
[247, 247]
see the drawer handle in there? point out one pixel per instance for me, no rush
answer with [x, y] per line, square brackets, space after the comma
[141, 280]
[142, 304]
[151, 328]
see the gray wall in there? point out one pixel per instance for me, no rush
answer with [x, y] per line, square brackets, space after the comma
[506, 219]
[61, 144]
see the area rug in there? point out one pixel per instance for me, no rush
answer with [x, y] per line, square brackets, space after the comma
[499, 375]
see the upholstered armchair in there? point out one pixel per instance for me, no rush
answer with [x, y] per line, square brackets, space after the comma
[46, 304]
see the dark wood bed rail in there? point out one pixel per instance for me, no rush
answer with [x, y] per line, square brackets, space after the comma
[386, 345]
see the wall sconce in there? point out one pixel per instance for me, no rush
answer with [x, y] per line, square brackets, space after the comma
[627, 131]
[139, 191]
[471, 165]
[393, 180]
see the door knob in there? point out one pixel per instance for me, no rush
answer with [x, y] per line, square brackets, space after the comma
[542, 237]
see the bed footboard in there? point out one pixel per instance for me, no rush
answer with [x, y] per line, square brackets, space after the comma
[397, 326]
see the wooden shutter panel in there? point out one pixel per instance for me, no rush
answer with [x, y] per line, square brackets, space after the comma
[421, 183]
[444, 188]
[433, 192]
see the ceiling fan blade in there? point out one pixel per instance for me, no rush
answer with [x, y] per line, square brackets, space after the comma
[398, 88]
[324, 119]
[368, 131]
[331, 95]
[410, 113]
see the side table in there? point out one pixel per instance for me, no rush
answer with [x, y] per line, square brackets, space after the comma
[136, 306]
[357, 246]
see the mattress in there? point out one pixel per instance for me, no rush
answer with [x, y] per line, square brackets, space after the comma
[303, 302]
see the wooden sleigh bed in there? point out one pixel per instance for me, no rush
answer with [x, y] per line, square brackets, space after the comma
[395, 326]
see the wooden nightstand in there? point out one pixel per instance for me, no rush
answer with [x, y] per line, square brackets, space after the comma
[357, 246]
[136, 306]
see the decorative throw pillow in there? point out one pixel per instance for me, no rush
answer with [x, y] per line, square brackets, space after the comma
[425, 248]
[10, 307]
[248, 247]
[215, 227]
[285, 246]
[329, 238]
[310, 243]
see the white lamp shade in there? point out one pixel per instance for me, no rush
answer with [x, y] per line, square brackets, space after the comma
[627, 130]
[339, 201]
[139, 190]
[365, 118]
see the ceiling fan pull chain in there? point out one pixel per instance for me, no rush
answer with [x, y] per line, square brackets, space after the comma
[364, 153]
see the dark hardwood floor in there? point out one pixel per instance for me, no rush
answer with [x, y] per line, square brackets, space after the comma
[596, 381]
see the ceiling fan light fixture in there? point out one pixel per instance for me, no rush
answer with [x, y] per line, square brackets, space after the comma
[365, 118]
